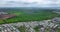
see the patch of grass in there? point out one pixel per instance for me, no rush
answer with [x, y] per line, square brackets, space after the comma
[2, 22]
[23, 29]
[25, 17]
[33, 17]
[58, 30]
[47, 29]
[36, 29]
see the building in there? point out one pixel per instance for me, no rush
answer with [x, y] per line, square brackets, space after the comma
[56, 20]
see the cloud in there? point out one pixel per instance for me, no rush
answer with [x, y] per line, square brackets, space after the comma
[29, 3]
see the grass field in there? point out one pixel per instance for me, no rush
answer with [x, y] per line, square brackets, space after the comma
[27, 15]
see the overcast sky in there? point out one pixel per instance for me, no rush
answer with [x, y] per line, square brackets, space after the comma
[29, 3]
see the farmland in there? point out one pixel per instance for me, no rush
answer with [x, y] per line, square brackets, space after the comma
[28, 14]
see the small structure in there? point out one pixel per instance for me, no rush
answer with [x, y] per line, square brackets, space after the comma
[56, 20]
[42, 28]
[52, 30]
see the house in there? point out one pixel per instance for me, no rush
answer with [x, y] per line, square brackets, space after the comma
[42, 28]
[56, 20]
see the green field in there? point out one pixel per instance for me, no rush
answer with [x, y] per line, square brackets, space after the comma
[28, 15]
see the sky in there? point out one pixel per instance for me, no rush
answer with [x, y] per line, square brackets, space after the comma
[29, 3]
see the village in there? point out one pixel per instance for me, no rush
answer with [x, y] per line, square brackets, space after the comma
[42, 26]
